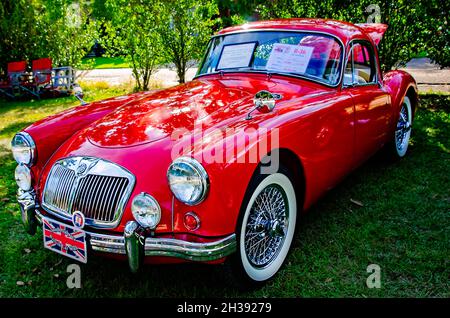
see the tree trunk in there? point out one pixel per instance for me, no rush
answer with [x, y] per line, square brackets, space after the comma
[181, 76]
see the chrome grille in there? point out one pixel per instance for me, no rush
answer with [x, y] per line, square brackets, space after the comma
[60, 185]
[97, 188]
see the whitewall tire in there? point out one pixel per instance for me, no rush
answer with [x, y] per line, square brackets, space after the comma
[266, 227]
[403, 129]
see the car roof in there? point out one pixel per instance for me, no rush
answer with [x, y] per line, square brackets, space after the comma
[343, 30]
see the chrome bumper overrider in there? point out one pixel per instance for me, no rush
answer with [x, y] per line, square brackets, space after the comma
[133, 243]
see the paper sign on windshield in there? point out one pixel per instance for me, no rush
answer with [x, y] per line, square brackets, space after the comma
[289, 58]
[236, 55]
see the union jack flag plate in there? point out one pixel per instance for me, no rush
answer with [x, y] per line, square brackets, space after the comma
[64, 239]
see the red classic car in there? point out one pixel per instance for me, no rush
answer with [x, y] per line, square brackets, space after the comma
[217, 169]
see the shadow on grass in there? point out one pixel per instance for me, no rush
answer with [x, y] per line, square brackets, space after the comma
[30, 105]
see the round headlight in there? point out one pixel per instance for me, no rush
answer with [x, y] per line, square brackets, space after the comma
[146, 210]
[188, 180]
[23, 148]
[23, 177]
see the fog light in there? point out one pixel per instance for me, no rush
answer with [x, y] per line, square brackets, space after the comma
[23, 177]
[146, 210]
[191, 221]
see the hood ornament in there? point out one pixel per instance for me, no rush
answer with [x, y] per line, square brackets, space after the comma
[84, 165]
[264, 102]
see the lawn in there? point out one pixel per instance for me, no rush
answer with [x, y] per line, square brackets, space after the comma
[402, 224]
[103, 62]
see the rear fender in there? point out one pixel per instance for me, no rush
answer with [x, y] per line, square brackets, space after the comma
[398, 84]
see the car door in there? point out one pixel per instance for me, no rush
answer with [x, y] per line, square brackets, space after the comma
[372, 102]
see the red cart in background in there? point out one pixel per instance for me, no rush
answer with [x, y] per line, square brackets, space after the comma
[43, 80]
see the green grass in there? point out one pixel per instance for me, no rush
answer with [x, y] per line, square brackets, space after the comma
[403, 226]
[103, 62]
[17, 115]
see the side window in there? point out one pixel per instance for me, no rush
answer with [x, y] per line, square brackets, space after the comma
[360, 68]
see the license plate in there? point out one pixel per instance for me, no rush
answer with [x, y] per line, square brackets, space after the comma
[64, 239]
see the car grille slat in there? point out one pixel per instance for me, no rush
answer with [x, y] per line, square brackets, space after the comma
[99, 196]
[96, 196]
[106, 194]
[103, 194]
[117, 189]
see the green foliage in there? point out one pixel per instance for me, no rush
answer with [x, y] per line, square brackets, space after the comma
[414, 26]
[60, 29]
[130, 30]
[19, 38]
[67, 30]
[233, 12]
[149, 33]
[437, 34]
[184, 29]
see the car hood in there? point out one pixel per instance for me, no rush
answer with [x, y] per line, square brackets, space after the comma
[200, 104]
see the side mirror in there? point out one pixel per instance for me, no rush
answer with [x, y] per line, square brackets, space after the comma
[264, 102]
[78, 93]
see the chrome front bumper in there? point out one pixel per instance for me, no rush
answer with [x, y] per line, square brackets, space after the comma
[133, 244]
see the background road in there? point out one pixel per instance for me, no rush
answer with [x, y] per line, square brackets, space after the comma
[429, 76]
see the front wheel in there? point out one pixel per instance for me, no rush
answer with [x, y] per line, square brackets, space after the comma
[265, 227]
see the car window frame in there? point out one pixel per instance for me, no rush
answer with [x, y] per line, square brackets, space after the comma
[374, 65]
[309, 78]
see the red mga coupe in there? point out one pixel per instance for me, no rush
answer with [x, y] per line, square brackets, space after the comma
[218, 169]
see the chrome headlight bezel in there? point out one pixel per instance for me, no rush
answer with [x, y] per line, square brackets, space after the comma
[199, 172]
[23, 149]
[148, 216]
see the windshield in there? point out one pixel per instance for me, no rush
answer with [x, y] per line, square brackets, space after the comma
[311, 55]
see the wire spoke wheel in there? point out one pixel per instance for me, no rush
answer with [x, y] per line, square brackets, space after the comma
[403, 129]
[267, 226]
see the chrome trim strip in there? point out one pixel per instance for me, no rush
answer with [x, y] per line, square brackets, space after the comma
[344, 53]
[28, 205]
[155, 246]
[198, 167]
[189, 250]
[173, 213]
[348, 50]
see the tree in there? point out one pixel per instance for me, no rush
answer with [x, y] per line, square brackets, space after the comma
[68, 31]
[437, 35]
[18, 32]
[236, 12]
[60, 29]
[184, 28]
[130, 28]
[413, 26]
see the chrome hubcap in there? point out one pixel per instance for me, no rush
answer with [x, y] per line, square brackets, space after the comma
[267, 226]
[403, 129]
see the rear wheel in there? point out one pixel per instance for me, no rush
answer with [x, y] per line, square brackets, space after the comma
[265, 228]
[400, 141]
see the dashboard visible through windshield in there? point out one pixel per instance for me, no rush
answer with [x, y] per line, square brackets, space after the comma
[312, 55]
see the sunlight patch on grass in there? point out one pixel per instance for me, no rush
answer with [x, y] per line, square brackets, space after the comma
[104, 63]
